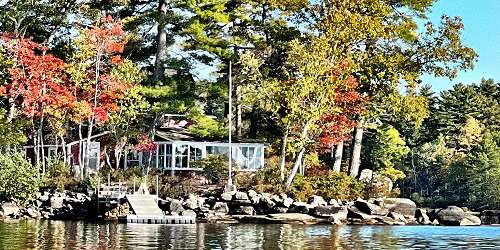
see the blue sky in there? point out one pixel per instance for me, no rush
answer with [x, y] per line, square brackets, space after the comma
[482, 32]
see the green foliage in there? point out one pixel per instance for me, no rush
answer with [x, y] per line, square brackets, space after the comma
[483, 166]
[214, 168]
[12, 131]
[18, 179]
[333, 186]
[58, 176]
[205, 126]
[388, 152]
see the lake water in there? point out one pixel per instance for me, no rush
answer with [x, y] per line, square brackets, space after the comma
[87, 235]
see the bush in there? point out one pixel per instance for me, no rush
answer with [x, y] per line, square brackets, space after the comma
[215, 168]
[268, 178]
[58, 176]
[18, 179]
[337, 185]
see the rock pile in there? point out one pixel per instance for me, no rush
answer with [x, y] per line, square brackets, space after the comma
[50, 205]
[254, 207]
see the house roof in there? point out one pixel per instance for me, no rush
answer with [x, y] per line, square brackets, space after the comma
[182, 134]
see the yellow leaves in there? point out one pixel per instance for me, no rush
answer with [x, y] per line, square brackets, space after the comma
[470, 134]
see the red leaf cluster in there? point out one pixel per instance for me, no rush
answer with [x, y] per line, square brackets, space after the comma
[145, 144]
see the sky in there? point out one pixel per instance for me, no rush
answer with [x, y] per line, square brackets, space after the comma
[481, 32]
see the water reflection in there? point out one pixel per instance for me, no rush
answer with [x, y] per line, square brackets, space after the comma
[85, 235]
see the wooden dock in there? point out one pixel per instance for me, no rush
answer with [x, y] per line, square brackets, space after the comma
[146, 211]
[164, 219]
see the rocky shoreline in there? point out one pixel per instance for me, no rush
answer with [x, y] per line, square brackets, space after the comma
[261, 208]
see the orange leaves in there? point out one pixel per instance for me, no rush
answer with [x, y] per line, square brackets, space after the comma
[37, 79]
[107, 38]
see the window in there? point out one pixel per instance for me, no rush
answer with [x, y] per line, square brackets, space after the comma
[181, 156]
[164, 156]
[250, 157]
[194, 153]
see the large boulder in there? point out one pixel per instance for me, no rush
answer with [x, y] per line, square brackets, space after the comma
[489, 217]
[287, 202]
[450, 216]
[366, 175]
[56, 202]
[279, 210]
[191, 202]
[266, 202]
[334, 214]
[221, 208]
[176, 207]
[252, 194]
[244, 210]
[317, 200]
[397, 217]
[422, 217]
[402, 206]
[294, 218]
[299, 207]
[9, 208]
[368, 208]
[470, 220]
[354, 213]
[227, 196]
[241, 196]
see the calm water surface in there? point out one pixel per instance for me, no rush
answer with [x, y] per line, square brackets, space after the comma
[85, 235]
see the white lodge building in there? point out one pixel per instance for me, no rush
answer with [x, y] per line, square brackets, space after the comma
[176, 150]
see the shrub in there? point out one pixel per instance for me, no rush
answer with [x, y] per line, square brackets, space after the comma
[214, 168]
[333, 186]
[58, 176]
[18, 179]
[268, 178]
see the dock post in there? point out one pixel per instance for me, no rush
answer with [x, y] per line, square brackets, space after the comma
[134, 185]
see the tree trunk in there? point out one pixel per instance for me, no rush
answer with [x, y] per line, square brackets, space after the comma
[161, 41]
[239, 124]
[120, 145]
[12, 109]
[298, 160]
[253, 123]
[296, 165]
[356, 151]
[338, 156]
[283, 155]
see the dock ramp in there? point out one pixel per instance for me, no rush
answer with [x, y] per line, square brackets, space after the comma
[147, 211]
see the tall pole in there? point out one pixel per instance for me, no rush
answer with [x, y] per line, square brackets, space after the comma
[230, 178]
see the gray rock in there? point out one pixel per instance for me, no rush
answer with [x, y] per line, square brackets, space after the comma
[450, 216]
[366, 175]
[176, 206]
[295, 218]
[334, 213]
[256, 199]
[44, 198]
[470, 220]
[244, 210]
[226, 196]
[56, 202]
[241, 196]
[277, 199]
[385, 220]
[201, 201]
[368, 208]
[189, 213]
[299, 207]
[334, 203]
[191, 202]
[402, 206]
[266, 202]
[279, 210]
[252, 194]
[221, 208]
[422, 217]
[9, 208]
[489, 217]
[33, 213]
[354, 213]
[316, 200]
[397, 217]
[287, 202]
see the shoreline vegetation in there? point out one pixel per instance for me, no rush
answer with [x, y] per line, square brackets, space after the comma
[332, 88]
